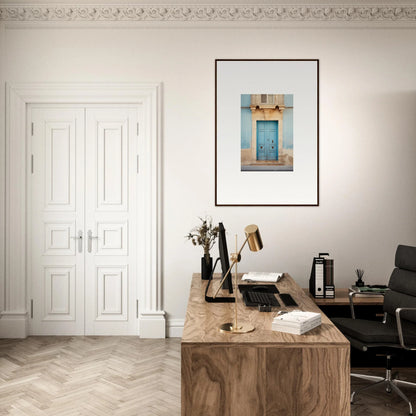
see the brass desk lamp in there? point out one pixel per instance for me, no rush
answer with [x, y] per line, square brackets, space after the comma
[253, 239]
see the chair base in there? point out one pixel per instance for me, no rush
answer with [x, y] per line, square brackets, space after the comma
[391, 384]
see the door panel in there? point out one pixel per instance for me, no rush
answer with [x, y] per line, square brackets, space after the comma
[59, 293]
[56, 214]
[112, 167]
[111, 221]
[112, 238]
[261, 141]
[59, 165]
[112, 296]
[58, 238]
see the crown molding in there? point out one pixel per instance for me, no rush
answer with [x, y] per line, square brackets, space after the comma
[207, 13]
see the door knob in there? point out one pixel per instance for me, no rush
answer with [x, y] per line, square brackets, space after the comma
[90, 237]
[79, 238]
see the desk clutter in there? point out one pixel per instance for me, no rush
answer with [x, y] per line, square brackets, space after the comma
[296, 322]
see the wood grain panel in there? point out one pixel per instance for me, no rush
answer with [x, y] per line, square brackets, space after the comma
[283, 381]
[220, 376]
[325, 376]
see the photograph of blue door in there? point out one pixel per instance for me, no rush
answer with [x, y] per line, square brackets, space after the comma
[267, 132]
[267, 139]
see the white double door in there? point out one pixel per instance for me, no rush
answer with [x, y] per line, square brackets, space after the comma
[82, 220]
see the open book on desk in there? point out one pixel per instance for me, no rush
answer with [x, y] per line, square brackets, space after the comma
[262, 277]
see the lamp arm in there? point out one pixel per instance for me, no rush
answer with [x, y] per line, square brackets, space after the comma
[230, 268]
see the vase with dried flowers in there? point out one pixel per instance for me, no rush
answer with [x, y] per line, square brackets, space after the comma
[204, 235]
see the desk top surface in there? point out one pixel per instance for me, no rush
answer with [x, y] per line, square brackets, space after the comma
[203, 319]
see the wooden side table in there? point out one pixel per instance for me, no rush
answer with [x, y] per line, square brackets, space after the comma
[366, 307]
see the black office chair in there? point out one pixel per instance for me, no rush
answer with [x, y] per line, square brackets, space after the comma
[397, 332]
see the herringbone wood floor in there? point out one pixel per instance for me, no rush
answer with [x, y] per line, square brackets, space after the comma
[120, 376]
[94, 376]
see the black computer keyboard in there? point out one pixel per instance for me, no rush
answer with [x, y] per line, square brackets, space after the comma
[287, 299]
[260, 298]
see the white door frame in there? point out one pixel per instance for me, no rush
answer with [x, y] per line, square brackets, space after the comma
[14, 317]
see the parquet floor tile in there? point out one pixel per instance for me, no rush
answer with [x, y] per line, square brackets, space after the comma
[89, 376]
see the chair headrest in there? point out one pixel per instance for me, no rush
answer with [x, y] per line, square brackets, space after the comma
[406, 258]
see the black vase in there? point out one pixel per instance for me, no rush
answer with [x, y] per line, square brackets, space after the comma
[359, 283]
[206, 268]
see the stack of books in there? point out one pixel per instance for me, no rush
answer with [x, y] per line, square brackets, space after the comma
[296, 322]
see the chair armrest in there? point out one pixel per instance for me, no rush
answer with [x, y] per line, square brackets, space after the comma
[352, 294]
[400, 329]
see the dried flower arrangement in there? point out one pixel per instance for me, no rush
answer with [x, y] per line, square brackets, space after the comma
[204, 235]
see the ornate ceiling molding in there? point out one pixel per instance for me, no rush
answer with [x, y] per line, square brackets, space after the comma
[206, 13]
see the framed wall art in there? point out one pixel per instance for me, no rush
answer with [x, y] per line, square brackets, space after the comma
[267, 132]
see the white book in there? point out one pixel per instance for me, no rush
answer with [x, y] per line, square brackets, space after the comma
[296, 322]
[296, 331]
[262, 277]
[297, 317]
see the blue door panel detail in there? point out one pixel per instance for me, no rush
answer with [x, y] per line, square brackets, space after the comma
[267, 135]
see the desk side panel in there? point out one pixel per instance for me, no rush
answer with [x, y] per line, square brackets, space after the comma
[264, 380]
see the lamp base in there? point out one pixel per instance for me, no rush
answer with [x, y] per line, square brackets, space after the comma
[241, 329]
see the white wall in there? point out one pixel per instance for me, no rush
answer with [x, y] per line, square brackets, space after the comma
[367, 135]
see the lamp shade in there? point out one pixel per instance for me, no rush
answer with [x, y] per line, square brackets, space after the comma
[253, 237]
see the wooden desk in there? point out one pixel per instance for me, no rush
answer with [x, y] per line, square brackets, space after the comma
[264, 372]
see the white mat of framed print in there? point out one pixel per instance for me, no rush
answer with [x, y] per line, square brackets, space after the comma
[266, 133]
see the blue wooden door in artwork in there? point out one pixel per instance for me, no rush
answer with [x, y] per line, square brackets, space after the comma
[267, 132]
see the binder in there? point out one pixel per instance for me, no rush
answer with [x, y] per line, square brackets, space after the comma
[321, 281]
[329, 279]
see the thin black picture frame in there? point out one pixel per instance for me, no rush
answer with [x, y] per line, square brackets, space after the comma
[217, 203]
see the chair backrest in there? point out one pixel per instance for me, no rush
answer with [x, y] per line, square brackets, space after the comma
[402, 284]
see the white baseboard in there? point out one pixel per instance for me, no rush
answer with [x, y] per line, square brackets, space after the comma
[13, 325]
[152, 324]
[175, 328]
